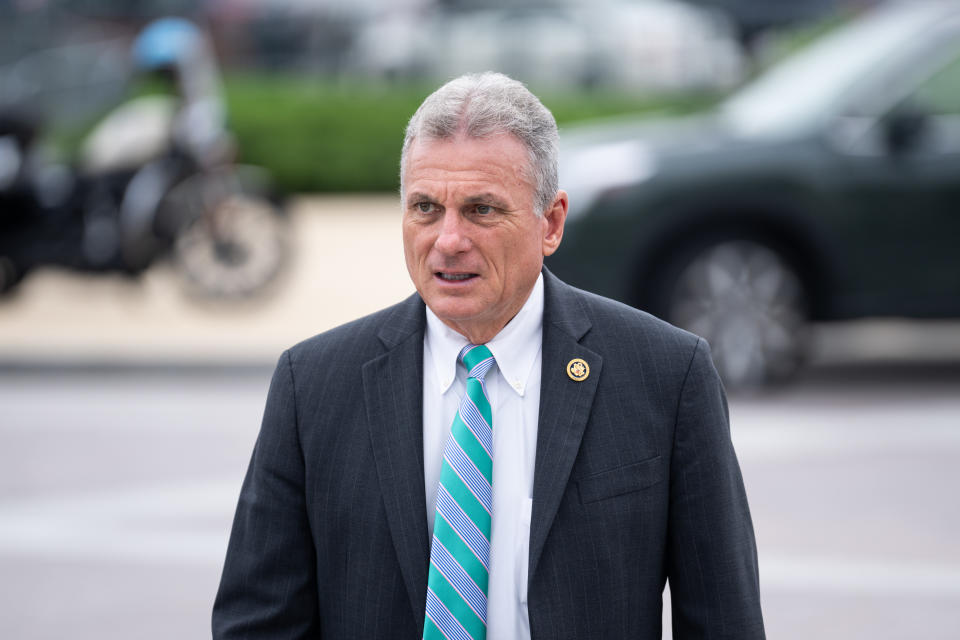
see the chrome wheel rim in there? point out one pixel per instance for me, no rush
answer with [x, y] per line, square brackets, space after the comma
[749, 304]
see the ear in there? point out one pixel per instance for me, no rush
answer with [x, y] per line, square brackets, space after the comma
[553, 219]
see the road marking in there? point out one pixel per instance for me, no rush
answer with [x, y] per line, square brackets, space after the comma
[164, 524]
[133, 407]
[768, 439]
[189, 524]
[857, 576]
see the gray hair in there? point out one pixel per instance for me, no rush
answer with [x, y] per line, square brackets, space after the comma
[485, 104]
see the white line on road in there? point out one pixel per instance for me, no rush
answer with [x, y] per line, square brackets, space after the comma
[171, 523]
[762, 440]
[189, 524]
[857, 576]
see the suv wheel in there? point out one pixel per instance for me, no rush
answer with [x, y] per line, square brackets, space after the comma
[747, 300]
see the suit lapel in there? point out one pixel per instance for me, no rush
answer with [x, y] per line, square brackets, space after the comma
[393, 390]
[564, 406]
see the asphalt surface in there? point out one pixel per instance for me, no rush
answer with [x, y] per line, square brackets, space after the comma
[128, 412]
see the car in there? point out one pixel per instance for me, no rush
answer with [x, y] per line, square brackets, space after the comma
[662, 44]
[828, 189]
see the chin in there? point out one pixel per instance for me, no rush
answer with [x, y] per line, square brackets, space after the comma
[455, 312]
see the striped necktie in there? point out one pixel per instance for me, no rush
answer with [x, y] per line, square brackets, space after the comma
[460, 551]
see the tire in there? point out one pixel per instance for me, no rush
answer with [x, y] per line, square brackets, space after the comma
[235, 250]
[747, 300]
[10, 275]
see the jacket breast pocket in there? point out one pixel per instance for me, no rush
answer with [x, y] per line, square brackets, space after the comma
[620, 481]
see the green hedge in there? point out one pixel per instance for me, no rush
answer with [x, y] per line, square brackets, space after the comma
[325, 135]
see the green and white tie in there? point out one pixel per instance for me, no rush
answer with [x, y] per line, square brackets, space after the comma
[460, 551]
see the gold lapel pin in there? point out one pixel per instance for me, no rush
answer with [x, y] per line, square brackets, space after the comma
[578, 369]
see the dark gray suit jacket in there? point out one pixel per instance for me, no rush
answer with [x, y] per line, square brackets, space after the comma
[635, 481]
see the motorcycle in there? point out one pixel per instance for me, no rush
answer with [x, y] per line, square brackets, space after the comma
[156, 178]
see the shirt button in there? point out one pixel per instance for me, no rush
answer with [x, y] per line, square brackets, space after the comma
[517, 386]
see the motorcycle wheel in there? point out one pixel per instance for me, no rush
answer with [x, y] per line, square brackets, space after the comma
[10, 275]
[235, 250]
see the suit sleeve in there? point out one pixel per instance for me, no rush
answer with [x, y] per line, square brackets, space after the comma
[268, 588]
[712, 556]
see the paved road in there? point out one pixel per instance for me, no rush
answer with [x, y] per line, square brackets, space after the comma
[117, 489]
[118, 483]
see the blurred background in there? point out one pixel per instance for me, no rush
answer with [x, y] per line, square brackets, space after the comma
[187, 188]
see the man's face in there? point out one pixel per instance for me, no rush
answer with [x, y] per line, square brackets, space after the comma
[473, 243]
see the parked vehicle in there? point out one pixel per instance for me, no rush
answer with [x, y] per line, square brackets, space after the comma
[155, 179]
[827, 189]
[661, 44]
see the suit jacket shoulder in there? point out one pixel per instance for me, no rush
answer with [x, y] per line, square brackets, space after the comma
[634, 344]
[326, 372]
[364, 338]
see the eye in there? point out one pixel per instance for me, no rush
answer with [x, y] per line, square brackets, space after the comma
[483, 209]
[425, 207]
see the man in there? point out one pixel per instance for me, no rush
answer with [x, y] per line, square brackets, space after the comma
[608, 470]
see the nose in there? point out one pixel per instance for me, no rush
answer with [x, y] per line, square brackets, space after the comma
[453, 237]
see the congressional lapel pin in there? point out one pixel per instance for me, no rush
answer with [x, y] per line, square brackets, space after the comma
[578, 369]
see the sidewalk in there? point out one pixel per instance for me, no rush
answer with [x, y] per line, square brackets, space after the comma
[347, 260]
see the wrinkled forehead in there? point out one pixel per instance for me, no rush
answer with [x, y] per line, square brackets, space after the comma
[461, 150]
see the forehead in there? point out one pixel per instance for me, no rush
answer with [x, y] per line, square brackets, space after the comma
[464, 162]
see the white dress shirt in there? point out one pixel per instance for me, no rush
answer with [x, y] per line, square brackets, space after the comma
[513, 386]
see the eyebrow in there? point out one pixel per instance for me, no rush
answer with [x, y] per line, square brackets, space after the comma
[480, 198]
[417, 196]
[487, 198]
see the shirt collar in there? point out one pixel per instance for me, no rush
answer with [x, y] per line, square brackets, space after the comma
[515, 348]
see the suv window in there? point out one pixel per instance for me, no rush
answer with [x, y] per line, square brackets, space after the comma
[940, 94]
[937, 99]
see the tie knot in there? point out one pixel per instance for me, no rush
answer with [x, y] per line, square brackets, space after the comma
[477, 359]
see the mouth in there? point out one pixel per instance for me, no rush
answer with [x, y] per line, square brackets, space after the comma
[448, 276]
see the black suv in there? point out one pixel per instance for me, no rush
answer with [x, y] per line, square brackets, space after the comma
[828, 189]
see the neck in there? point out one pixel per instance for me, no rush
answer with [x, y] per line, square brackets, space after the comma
[477, 335]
